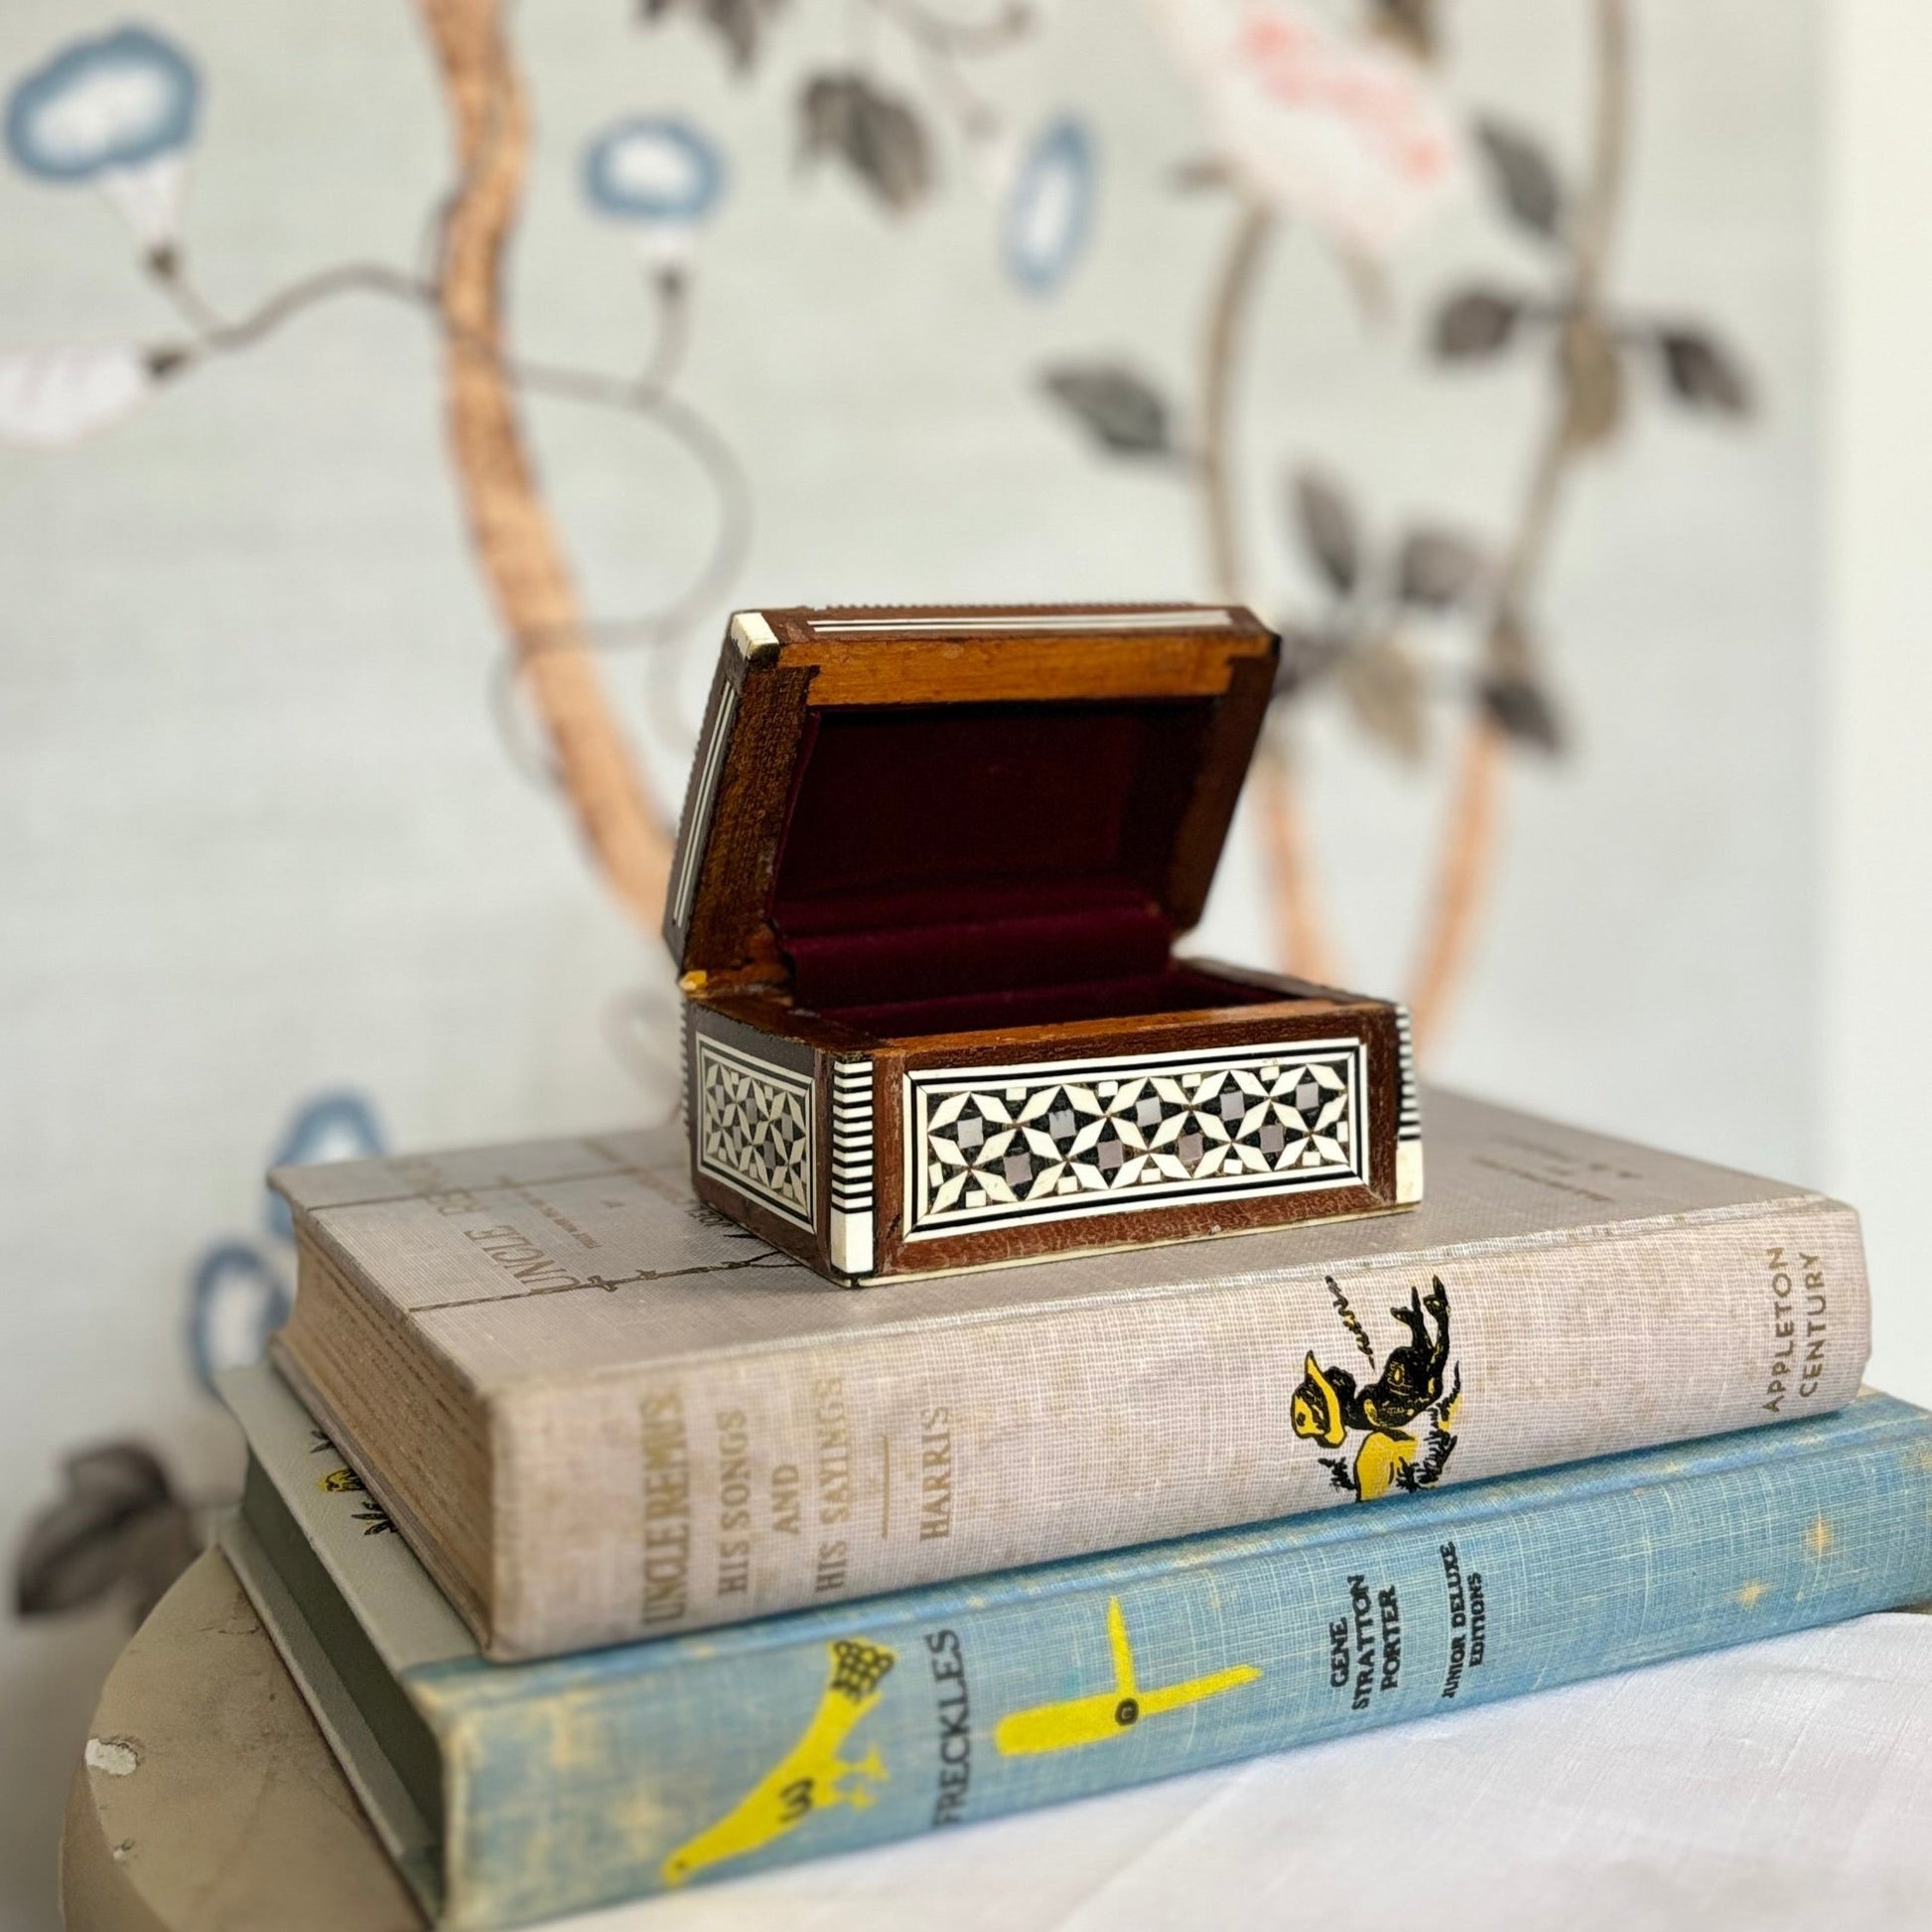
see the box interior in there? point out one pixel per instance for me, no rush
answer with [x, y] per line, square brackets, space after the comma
[954, 868]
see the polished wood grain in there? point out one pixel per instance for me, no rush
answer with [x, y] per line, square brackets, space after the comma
[917, 670]
[776, 689]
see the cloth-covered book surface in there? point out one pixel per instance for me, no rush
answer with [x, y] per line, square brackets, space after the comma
[508, 1793]
[598, 1412]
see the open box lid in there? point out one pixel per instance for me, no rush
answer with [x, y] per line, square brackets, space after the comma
[894, 804]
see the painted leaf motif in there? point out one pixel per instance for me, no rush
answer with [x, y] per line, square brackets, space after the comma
[1704, 373]
[1330, 531]
[1307, 656]
[72, 1555]
[123, 1473]
[1474, 322]
[1520, 708]
[52, 397]
[741, 25]
[1525, 178]
[119, 1525]
[1118, 407]
[1411, 22]
[160, 1546]
[875, 134]
[1436, 568]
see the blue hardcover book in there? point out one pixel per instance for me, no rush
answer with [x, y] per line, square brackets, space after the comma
[513, 1792]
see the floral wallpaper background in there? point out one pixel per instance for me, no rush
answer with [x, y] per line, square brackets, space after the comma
[390, 416]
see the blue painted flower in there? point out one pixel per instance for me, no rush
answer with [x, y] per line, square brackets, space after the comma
[236, 1300]
[332, 1126]
[117, 111]
[113, 102]
[655, 169]
[239, 1292]
[1050, 206]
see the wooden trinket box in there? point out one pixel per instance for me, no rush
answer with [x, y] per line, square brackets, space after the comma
[926, 888]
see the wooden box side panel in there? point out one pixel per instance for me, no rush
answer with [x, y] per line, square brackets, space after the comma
[1168, 1131]
[878, 1160]
[756, 1119]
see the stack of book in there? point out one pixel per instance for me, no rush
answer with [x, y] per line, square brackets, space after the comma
[704, 1565]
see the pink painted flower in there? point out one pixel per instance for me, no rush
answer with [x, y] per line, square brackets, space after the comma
[1346, 132]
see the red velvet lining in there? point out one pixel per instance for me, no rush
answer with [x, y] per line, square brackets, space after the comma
[969, 796]
[1179, 989]
[970, 856]
[886, 964]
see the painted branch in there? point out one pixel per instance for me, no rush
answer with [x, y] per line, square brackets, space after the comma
[518, 547]
[1300, 945]
[1462, 886]
[1221, 357]
[1299, 932]
[1467, 861]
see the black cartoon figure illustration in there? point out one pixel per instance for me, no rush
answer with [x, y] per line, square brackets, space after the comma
[1329, 1406]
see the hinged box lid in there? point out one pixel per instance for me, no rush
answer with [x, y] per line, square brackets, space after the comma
[894, 806]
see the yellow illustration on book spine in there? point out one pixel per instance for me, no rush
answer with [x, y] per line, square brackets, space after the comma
[1108, 1713]
[809, 1777]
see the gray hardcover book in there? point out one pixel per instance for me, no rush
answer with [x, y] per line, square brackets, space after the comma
[600, 1412]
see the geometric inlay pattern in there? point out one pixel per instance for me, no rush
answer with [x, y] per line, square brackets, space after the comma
[1408, 1125]
[994, 1145]
[754, 1128]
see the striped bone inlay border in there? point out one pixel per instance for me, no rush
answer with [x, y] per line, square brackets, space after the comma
[853, 1161]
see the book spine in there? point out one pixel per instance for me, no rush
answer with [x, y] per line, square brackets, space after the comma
[752, 1483]
[593, 1778]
